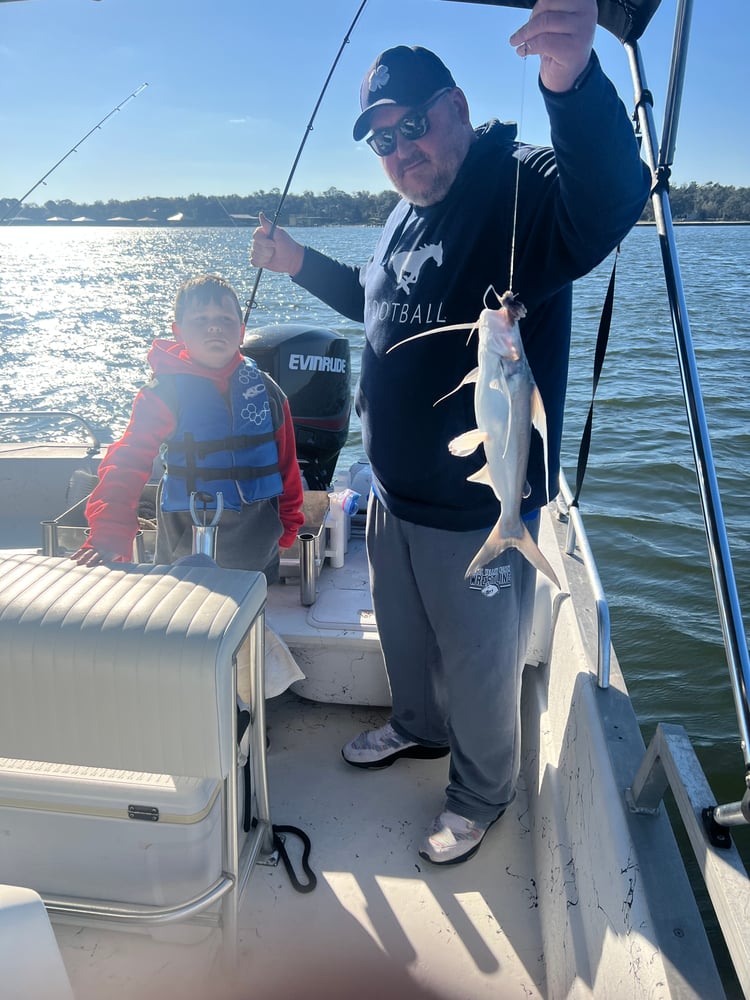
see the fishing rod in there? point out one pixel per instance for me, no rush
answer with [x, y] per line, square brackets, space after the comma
[73, 149]
[308, 130]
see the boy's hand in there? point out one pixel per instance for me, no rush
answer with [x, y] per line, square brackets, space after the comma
[88, 556]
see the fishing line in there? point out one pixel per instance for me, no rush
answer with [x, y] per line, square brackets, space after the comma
[518, 172]
[308, 130]
[73, 149]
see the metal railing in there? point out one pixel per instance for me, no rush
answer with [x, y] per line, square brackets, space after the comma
[577, 538]
[718, 546]
[46, 414]
[671, 762]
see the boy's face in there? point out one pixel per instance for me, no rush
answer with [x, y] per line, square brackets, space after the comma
[211, 331]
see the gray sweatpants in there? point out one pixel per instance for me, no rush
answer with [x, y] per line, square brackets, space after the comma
[454, 650]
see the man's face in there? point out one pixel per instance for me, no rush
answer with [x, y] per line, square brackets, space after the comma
[423, 170]
[211, 331]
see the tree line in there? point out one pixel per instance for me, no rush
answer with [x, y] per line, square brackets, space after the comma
[331, 207]
[710, 202]
[691, 202]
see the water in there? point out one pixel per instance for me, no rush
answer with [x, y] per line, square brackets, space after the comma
[641, 499]
[79, 308]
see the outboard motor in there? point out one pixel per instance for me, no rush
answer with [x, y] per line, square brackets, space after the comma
[312, 366]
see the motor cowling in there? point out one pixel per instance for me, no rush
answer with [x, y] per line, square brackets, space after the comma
[313, 367]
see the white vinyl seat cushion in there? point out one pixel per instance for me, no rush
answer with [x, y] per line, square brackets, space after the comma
[121, 667]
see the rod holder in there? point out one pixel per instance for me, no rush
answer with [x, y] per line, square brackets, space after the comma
[204, 540]
[139, 548]
[306, 568]
[49, 538]
[204, 532]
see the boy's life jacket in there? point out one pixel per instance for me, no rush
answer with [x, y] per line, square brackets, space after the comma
[219, 447]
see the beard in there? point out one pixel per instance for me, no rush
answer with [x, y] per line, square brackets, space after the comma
[422, 181]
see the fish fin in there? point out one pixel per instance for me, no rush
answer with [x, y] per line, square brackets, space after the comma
[496, 544]
[466, 380]
[481, 476]
[539, 420]
[467, 443]
[528, 547]
[429, 333]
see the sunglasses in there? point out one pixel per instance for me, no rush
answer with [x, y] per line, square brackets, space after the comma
[412, 126]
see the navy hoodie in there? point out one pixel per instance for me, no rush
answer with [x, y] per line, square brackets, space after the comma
[432, 267]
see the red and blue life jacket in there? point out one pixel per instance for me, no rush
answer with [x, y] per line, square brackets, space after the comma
[219, 445]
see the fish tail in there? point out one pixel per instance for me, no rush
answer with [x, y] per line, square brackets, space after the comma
[535, 556]
[497, 543]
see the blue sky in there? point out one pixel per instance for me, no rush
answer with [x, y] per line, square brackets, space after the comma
[232, 85]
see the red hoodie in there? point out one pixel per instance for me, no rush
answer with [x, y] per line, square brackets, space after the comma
[111, 511]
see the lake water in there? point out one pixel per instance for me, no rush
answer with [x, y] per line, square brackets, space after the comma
[79, 308]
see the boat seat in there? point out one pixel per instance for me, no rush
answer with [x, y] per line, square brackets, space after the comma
[122, 681]
[29, 956]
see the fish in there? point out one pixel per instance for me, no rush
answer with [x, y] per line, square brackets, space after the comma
[507, 404]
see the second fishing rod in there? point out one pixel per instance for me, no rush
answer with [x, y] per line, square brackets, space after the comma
[345, 41]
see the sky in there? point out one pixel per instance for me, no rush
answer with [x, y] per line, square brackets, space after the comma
[233, 84]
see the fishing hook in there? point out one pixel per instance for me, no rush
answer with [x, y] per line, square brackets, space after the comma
[73, 149]
[308, 130]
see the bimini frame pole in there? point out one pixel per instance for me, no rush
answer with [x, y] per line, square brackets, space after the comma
[718, 546]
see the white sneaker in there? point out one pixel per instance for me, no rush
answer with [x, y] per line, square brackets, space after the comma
[453, 838]
[383, 747]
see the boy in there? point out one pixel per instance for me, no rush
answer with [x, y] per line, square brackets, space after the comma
[220, 425]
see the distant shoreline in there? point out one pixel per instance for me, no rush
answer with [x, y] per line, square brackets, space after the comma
[686, 222]
[14, 224]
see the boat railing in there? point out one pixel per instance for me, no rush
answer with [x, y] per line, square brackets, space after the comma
[671, 762]
[710, 498]
[578, 539]
[91, 434]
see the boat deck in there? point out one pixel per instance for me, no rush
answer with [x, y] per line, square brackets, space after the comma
[383, 904]
[379, 914]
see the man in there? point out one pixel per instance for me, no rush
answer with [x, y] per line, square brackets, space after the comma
[478, 209]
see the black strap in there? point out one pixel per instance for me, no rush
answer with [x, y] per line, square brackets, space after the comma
[238, 473]
[190, 469]
[232, 442]
[602, 339]
[247, 818]
[278, 843]
[243, 721]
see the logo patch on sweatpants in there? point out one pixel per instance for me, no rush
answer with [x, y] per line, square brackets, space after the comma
[490, 580]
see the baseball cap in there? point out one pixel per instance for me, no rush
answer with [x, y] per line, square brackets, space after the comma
[407, 75]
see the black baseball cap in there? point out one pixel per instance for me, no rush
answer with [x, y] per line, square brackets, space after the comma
[407, 75]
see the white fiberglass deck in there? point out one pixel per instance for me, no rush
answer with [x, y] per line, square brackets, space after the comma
[379, 914]
[465, 931]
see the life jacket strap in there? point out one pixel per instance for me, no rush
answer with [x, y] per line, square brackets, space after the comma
[236, 472]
